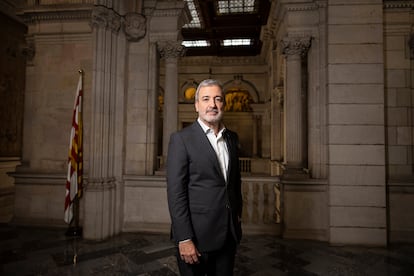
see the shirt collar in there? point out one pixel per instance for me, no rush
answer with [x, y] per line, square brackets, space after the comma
[207, 129]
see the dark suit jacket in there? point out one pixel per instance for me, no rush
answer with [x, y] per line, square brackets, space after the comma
[203, 206]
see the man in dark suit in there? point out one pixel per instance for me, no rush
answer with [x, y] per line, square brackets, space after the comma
[204, 188]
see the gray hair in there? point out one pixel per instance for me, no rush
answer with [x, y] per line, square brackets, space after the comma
[208, 82]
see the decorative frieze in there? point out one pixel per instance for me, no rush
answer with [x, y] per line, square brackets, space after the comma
[68, 15]
[218, 61]
[303, 6]
[388, 4]
[133, 24]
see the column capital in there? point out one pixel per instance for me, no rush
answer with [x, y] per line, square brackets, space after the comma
[103, 17]
[295, 45]
[171, 49]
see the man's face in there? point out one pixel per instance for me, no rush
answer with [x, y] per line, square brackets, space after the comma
[210, 105]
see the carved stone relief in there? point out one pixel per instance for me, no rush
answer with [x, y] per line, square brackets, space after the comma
[133, 24]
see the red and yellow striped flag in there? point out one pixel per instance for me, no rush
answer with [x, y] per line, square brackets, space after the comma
[75, 160]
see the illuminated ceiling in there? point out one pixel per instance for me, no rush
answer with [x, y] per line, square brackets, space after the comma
[225, 27]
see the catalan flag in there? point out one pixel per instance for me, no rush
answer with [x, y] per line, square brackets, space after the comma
[75, 160]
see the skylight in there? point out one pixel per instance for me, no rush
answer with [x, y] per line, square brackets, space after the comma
[195, 43]
[235, 6]
[237, 42]
[195, 21]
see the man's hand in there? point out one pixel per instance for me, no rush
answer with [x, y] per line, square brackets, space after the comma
[188, 252]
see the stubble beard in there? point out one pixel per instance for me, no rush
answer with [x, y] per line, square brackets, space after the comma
[213, 119]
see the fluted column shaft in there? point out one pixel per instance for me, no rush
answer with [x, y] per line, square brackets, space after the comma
[295, 126]
[170, 51]
[100, 210]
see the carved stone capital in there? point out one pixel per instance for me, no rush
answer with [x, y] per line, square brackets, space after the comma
[103, 17]
[134, 26]
[295, 45]
[171, 49]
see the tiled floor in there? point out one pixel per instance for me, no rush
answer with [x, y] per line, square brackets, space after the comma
[40, 251]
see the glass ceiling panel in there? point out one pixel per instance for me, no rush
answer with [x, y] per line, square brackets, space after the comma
[195, 43]
[235, 6]
[195, 21]
[237, 42]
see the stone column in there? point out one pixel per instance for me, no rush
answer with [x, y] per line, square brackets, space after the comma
[170, 51]
[294, 48]
[100, 188]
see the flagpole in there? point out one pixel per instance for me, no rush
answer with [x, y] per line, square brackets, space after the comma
[74, 230]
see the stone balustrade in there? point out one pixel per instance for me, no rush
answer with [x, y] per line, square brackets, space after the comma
[261, 205]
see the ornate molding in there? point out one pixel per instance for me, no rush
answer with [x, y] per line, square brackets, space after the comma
[171, 49]
[302, 7]
[398, 4]
[100, 184]
[210, 60]
[134, 26]
[295, 45]
[34, 16]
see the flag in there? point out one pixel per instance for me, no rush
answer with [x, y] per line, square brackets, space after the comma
[75, 159]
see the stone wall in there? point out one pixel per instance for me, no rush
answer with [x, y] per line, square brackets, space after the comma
[399, 83]
[14, 52]
[356, 141]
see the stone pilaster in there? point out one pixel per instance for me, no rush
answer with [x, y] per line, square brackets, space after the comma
[170, 51]
[295, 48]
[100, 197]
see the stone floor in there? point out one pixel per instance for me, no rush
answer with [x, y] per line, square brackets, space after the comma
[40, 251]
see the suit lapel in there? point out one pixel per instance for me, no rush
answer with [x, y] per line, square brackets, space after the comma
[230, 148]
[205, 144]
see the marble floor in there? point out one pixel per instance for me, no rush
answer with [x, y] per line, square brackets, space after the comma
[46, 251]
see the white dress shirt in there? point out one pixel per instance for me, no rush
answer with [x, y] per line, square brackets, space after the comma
[219, 145]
